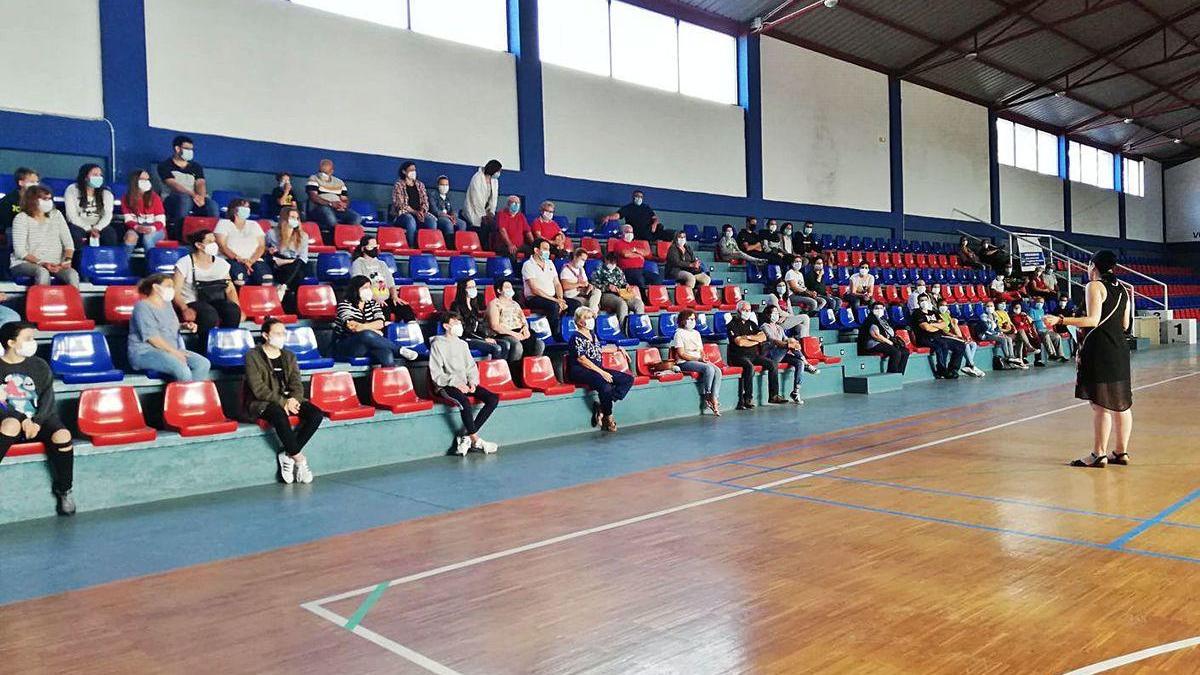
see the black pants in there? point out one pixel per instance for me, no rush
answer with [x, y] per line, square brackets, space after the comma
[221, 313]
[289, 275]
[292, 441]
[398, 312]
[896, 353]
[948, 348]
[549, 309]
[60, 457]
[746, 380]
[471, 422]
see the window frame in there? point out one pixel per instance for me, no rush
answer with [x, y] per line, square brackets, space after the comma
[1104, 170]
[1008, 147]
[499, 45]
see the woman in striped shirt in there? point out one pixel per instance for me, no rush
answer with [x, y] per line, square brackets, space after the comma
[358, 330]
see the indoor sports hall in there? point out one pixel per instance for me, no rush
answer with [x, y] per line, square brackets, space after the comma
[600, 336]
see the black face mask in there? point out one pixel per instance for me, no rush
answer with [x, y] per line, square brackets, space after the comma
[371, 252]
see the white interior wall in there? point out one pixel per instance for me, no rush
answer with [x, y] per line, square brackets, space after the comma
[1094, 211]
[59, 43]
[603, 129]
[824, 129]
[384, 91]
[1144, 215]
[1030, 200]
[945, 155]
[1181, 184]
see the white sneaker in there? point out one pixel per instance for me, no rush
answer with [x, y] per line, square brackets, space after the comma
[287, 468]
[488, 447]
[408, 354]
[281, 289]
[969, 370]
[303, 473]
[463, 445]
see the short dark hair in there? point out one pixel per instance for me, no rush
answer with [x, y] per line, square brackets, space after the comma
[537, 243]
[198, 236]
[267, 325]
[684, 315]
[492, 167]
[404, 167]
[441, 178]
[180, 140]
[281, 174]
[1104, 260]
[24, 172]
[578, 251]
[611, 256]
[231, 207]
[10, 331]
[147, 284]
[446, 317]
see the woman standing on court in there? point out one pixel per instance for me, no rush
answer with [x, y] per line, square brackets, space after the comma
[1103, 376]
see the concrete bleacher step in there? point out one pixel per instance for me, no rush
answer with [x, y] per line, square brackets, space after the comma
[872, 383]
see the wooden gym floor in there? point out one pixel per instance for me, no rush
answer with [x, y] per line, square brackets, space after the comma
[947, 542]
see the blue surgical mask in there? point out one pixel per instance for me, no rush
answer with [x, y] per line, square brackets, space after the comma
[243, 212]
[546, 256]
[96, 181]
[514, 208]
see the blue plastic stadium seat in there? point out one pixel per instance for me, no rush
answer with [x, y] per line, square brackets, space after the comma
[364, 208]
[566, 326]
[641, 327]
[82, 358]
[608, 330]
[704, 324]
[610, 229]
[774, 273]
[710, 234]
[8, 183]
[692, 232]
[651, 268]
[846, 319]
[424, 268]
[408, 335]
[720, 325]
[868, 244]
[591, 267]
[390, 260]
[898, 316]
[223, 197]
[887, 277]
[302, 342]
[227, 347]
[162, 260]
[499, 268]
[667, 325]
[539, 327]
[584, 227]
[333, 266]
[828, 319]
[855, 243]
[753, 274]
[861, 315]
[463, 267]
[107, 266]
[840, 243]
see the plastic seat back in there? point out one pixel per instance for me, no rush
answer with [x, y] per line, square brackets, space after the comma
[196, 223]
[189, 404]
[463, 267]
[56, 308]
[495, 376]
[316, 238]
[499, 268]
[228, 346]
[431, 240]
[260, 302]
[112, 415]
[119, 302]
[316, 302]
[422, 267]
[162, 260]
[104, 261]
[334, 393]
[392, 239]
[468, 242]
[347, 237]
[84, 355]
[333, 266]
[419, 299]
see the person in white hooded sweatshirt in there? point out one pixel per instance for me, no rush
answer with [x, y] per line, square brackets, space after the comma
[455, 378]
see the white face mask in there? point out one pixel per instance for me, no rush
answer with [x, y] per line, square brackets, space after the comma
[797, 265]
[96, 181]
[144, 185]
[283, 184]
[690, 323]
[771, 228]
[508, 293]
[243, 212]
[323, 176]
[46, 205]
[472, 293]
[412, 175]
[926, 306]
[547, 215]
[590, 324]
[212, 249]
[864, 271]
[627, 236]
[937, 291]
[878, 311]
[27, 348]
[729, 234]
[943, 310]
[991, 310]
[443, 190]
[276, 341]
[167, 293]
[1003, 308]
[456, 329]
[746, 316]
[682, 241]
[294, 222]
[365, 293]
[187, 154]
[637, 201]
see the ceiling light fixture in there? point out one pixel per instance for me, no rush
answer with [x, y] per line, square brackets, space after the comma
[1177, 140]
[1127, 120]
[831, 3]
[1060, 94]
[971, 56]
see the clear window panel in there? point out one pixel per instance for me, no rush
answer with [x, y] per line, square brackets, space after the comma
[1026, 148]
[574, 34]
[482, 23]
[1141, 178]
[1088, 165]
[1105, 171]
[707, 64]
[392, 13]
[1004, 143]
[1047, 151]
[1073, 160]
[644, 47]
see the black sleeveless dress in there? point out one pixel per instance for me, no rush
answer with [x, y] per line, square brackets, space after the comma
[1103, 376]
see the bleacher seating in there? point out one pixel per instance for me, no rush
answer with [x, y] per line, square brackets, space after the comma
[56, 308]
[392, 389]
[113, 416]
[82, 358]
[334, 394]
[194, 409]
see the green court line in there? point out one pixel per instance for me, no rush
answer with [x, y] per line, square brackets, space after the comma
[366, 606]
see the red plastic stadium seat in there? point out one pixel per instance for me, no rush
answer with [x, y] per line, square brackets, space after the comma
[842, 258]
[686, 297]
[495, 376]
[592, 246]
[904, 337]
[710, 296]
[292, 420]
[450, 293]
[811, 347]
[713, 353]
[316, 302]
[537, 373]
[333, 393]
[23, 449]
[194, 409]
[432, 241]
[394, 240]
[419, 299]
[260, 302]
[649, 356]
[195, 223]
[660, 300]
[619, 361]
[118, 303]
[56, 308]
[965, 332]
[732, 296]
[468, 242]
[316, 241]
[392, 389]
[661, 249]
[347, 237]
[113, 416]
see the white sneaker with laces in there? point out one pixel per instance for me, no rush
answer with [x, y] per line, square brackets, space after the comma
[463, 445]
[303, 473]
[281, 289]
[488, 447]
[408, 354]
[287, 468]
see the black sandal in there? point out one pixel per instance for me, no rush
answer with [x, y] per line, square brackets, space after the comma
[1092, 461]
[596, 414]
[1121, 458]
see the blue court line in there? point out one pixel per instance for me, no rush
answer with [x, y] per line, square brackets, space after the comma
[1120, 542]
[1002, 500]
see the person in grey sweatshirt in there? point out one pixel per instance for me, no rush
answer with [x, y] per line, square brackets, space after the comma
[455, 378]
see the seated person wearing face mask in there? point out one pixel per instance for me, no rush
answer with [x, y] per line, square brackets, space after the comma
[772, 245]
[287, 248]
[990, 330]
[815, 281]
[468, 305]
[802, 297]
[442, 208]
[781, 298]
[575, 282]
[383, 284]
[914, 297]
[1028, 339]
[153, 342]
[508, 325]
[244, 244]
[862, 287]
[728, 249]
[787, 239]
[543, 290]
[41, 240]
[631, 261]
[931, 332]
[455, 377]
[1051, 342]
[513, 234]
[969, 346]
[779, 348]
[687, 349]
[585, 367]
[617, 296]
[806, 244]
[358, 328]
[272, 391]
[750, 241]
[999, 290]
[876, 336]
[544, 226]
[745, 351]
[1067, 308]
[1020, 342]
[683, 266]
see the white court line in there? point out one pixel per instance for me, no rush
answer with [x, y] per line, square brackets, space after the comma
[1127, 659]
[316, 607]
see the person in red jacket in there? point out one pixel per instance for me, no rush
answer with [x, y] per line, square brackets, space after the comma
[630, 259]
[145, 217]
[1028, 338]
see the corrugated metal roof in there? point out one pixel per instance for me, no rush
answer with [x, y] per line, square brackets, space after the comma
[739, 10]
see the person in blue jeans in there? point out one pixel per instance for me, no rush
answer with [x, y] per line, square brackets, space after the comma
[329, 199]
[585, 367]
[154, 333]
[184, 178]
[440, 205]
[358, 328]
[410, 205]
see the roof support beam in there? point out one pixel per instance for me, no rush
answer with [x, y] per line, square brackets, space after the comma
[911, 68]
[1089, 82]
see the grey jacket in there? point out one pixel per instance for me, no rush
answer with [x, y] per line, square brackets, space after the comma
[451, 364]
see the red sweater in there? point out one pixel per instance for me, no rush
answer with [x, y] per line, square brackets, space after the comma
[138, 214]
[616, 245]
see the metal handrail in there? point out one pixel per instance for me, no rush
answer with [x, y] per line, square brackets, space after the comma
[1032, 237]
